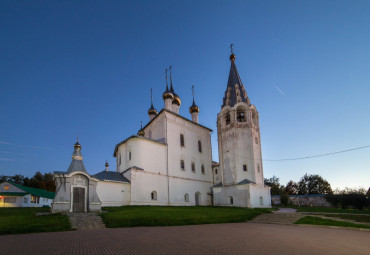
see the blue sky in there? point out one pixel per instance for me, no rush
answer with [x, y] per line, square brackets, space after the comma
[85, 68]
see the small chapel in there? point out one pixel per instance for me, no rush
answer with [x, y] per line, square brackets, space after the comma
[169, 161]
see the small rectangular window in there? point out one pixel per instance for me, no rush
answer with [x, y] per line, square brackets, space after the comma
[202, 168]
[193, 167]
[182, 164]
[182, 141]
[216, 171]
[199, 146]
[245, 168]
[227, 119]
[129, 155]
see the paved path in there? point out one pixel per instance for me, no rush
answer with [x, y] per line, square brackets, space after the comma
[236, 238]
[285, 216]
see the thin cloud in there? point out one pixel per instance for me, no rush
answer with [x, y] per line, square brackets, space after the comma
[27, 146]
[15, 153]
[280, 91]
[6, 159]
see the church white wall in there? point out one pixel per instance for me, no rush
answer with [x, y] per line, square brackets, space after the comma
[157, 130]
[258, 192]
[113, 193]
[144, 183]
[180, 187]
[145, 154]
[190, 152]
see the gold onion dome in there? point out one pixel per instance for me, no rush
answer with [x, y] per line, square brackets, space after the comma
[77, 144]
[106, 164]
[193, 108]
[232, 57]
[176, 100]
[152, 110]
[167, 94]
[141, 132]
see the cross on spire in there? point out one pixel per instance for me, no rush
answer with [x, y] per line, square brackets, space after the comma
[231, 48]
[192, 88]
[151, 96]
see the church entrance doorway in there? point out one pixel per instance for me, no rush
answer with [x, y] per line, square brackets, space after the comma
[78, 199]
[197, 198]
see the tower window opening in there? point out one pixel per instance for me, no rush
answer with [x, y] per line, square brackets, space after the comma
[193, 167]
[182, 164]
[199, 146]
[241, 116]
[129, 155]
[182, 141]
[227, 119]
[245, 169]
[186, 197]
[216, 171]
[202, 169]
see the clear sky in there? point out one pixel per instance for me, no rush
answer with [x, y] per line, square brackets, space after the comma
[85, 68]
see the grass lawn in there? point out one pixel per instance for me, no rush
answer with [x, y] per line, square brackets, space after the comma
[330, 210]
[133, 216]
[326, 222]
[24, 220]
[358, 218]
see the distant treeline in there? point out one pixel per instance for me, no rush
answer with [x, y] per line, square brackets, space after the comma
[41, 181]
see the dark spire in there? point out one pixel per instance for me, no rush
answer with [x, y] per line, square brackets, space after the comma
[171, 89]
[77, 163]
[141, 131]
[235, 91]
[167, 93]
[151, 110]
[193, 107]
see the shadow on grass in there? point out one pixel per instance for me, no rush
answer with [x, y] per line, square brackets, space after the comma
[134, 216]
[24, 220]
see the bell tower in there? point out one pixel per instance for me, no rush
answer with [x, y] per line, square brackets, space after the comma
[238, 133]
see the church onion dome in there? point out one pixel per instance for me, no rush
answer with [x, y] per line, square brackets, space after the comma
[141, 132]
[152, 110]
[193, 108]
[232, 57]
[176, 100]
[167, 94]
[106, 164]
[77, 144]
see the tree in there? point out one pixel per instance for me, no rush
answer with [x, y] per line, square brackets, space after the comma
[313, 184]
[291, 188]
[18, 179]
[274, 184]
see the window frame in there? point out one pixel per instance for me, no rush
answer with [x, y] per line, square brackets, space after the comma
[182, 140]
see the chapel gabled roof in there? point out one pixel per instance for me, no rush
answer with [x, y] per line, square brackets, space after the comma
[111, 176]
[234, 87]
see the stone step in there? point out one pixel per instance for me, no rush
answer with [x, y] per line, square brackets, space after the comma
[85, 221]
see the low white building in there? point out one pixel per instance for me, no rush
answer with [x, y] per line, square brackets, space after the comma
[169, 161]
[16, 195]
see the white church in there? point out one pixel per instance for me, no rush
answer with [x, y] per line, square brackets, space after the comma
[169, 162]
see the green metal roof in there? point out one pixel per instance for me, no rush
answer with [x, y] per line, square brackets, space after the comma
[17, 194]
[34, 191]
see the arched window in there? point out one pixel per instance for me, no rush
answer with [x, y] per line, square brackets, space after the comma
[193, 167]
[216, 171]
[199, 146]
[202, 169]
[261, 201]
[186, 197]
[197, 198]
[182, 164]
[231, 200]
[227, 119]
[240, 114]
[154, 195]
